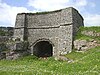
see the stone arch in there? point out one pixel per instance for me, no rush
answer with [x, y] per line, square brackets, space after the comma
[43, 48]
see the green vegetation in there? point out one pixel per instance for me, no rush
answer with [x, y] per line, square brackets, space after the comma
[3, 33]
[6, 31]
[93, 28]
[84, 37]
[87, 63]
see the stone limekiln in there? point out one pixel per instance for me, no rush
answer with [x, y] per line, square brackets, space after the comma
[48, 33]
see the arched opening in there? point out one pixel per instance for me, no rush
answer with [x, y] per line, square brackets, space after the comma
[43, 49]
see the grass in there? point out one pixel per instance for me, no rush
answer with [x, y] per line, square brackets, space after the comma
[84, 37]
[87, 63]
[92, 28]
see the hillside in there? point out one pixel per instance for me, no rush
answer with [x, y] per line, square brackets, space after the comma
[91, 30]
[84, 63]
[6, 31]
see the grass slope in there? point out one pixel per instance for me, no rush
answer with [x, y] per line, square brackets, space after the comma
[84, 37]
[86, 63]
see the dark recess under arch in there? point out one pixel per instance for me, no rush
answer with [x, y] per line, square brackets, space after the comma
[43, 49]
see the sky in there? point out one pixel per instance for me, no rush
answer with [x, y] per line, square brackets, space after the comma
[89, 9]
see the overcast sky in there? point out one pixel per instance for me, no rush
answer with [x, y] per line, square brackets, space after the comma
[89, 9]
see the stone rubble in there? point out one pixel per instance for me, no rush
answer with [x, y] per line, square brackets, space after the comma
[82, 45]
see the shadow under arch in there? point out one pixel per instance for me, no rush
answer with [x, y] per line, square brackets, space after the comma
[43, 48]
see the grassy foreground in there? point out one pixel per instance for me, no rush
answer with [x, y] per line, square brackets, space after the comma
[87, 63]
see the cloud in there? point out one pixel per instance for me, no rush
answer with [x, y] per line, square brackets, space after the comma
[92, 20]
[81, 3]
[8, 14]
[48, 4]
[45, 5]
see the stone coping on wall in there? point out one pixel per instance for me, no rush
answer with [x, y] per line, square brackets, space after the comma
[45, 12]
[48, 12]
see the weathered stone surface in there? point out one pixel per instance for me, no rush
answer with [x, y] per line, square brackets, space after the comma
[78, 44]
[2, 55]
[81, 45]
[91, 33]
[2, 47]
[4, 38]
[17, 45]
[63, 58]
[57, 27]
[12, 55]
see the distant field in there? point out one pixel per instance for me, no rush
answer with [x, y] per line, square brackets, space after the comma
[87, 63]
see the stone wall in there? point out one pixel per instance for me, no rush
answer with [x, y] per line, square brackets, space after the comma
[53, 19]
[83, 45]
[56, 27]
[77, 21]
[65, 39]
[19, 31]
